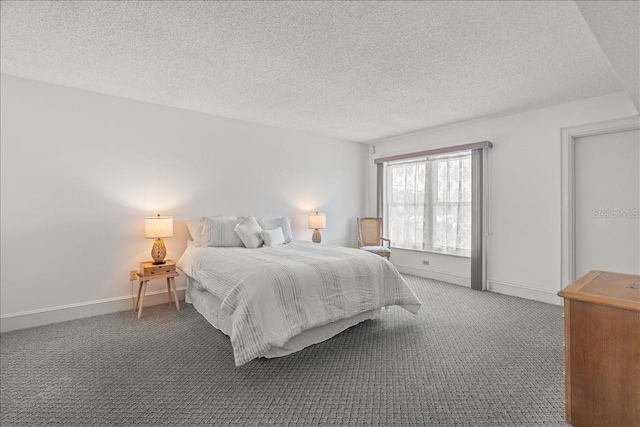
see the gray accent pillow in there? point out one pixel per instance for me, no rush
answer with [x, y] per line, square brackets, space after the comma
[249, 232]
[219, 232]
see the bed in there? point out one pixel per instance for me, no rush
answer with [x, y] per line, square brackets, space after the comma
[273, 301]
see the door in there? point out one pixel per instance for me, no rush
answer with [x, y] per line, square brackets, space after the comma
[606, 205]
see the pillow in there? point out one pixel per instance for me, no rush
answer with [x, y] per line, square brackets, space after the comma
[195, 229]
[219, 232]
[249, 231]
[272, 237]
[282, 222]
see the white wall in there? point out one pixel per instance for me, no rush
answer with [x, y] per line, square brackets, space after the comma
[80, 171]
[524, 240]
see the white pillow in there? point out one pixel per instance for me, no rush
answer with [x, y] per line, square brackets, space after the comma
[249, 231]
[195, 229]
[272, 237]
[219, 232]
[282, 222]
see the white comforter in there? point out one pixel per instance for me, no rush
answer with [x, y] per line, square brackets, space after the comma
[274, 294]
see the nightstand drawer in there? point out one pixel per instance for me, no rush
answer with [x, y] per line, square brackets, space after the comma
[149, 269]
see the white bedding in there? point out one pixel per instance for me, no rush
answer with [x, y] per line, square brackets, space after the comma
[274, 294]
[209, 307]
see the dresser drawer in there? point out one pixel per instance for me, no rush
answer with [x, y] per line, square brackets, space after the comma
[149, 269]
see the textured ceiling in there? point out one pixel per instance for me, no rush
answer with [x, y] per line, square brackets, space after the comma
[616, 26]
[359, 71]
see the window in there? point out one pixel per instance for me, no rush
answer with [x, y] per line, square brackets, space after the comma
[428, 203]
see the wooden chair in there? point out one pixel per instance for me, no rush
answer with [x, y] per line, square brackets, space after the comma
[370, 239]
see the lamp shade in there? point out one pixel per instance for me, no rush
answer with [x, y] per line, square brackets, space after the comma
[317, 220]
[157, 227]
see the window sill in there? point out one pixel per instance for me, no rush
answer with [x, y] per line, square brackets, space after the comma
[430, 252]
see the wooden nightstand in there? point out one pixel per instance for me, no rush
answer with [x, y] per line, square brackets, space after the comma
[148, 271]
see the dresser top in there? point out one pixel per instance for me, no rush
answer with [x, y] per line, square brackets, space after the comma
[606, 288]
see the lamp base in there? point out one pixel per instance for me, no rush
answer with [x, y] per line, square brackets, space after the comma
[158, 252]
[316, 238]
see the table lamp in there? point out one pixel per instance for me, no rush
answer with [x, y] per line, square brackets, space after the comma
[317, 221]
[157, 227]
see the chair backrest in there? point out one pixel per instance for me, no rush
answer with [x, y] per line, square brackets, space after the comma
[369, 231]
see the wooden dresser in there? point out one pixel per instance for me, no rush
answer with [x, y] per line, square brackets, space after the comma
[602, 350]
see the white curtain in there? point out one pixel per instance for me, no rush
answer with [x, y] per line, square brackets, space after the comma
[429, 203]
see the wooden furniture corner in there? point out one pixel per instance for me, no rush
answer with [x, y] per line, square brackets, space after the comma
[602, 350]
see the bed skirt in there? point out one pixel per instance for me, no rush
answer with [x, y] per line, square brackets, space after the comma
[209, 307]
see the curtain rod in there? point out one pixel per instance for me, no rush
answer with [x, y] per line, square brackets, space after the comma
[464, 147]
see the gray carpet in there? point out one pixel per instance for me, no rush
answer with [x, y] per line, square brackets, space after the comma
[468, 359]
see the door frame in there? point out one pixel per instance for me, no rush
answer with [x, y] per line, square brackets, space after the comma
[568, 140]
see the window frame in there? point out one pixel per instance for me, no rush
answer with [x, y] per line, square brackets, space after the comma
[387, 205]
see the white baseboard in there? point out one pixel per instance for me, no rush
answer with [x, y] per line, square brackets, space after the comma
[550, 297]
[498, 287]
[443, 276]
[45, 316]
[29, 319]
